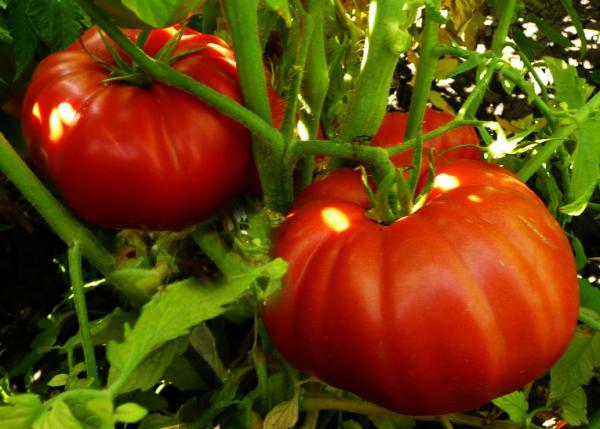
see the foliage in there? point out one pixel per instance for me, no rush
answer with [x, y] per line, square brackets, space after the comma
[163, 328]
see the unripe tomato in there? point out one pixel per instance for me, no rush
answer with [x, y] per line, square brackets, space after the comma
[125, 17]
[469, 298]
[137, 156]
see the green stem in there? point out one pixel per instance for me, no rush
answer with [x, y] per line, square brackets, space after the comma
[455, 123]
[209, 16]
[473, 101]
[423, 81]
[505, 14]
[87, 343]
[314, 402]
[562, 133]
[242, 16]
[211, 243]
[376, 157]
[69, 229]
[314, 91]
[387, 39]
[589, 320]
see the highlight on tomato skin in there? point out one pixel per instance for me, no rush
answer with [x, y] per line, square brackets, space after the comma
[483, 254]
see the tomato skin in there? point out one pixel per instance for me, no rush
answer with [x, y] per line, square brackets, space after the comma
[127, 156]
[392, 129]
[469, 298]
[124, 17]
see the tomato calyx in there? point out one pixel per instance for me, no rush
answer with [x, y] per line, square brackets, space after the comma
[130, 72]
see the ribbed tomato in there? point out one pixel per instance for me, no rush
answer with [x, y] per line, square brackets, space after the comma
[137, 156]
[392, 129]
[470, 297]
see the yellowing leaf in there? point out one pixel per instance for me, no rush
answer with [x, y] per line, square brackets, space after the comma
[440, 103]
[445, 66]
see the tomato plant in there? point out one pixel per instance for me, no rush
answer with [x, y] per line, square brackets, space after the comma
[125, 17]
[456, 144]
[145, 155]
[440, 311]
[261, 274]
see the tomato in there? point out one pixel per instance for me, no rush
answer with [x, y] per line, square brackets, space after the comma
[125, 17]
[392, 129]
[468, 298]
[133, 156]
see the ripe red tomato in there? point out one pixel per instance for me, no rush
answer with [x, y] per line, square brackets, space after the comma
[124, 17]
[392, 129]
[133, 156]
[469, 298]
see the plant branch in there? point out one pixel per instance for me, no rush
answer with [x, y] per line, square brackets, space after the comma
[315, 402]
[505, 15]
[85, 335]
[376, 157]
[562, 133]
[423, 81]
[69, 229]
[387, 39]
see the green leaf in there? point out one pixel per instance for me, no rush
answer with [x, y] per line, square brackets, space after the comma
[130, 412]
[59, 416]
[284, 415]
[171, 315]
[471, 63]
[21, 411]
[515, 405]
[569, 87]
[352, 424]
[282, 8]
[382, 422]
[5, 37]
[576, 20]
[580, 256]
[575, 368]
[589, 295]
[527, 45]
[573, 408]
[159, 13]
[24, 38]
[551, 32]
[585, 161]
[203, 341]
[151, 370]
[94, 408]
[182, 375]
[108, 328]
[158, 421]
[58, 380]
[55, 21]
[580, 204]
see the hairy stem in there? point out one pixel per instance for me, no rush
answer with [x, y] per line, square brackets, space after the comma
[69, 229]
[387, 39]
[423, 81]
[85, 335]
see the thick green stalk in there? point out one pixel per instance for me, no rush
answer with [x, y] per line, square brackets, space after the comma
[387, 39]
[69, 229]
[85, 335]
[208, 239]
[314, 91]
[423, 80]
[505, 15]
[243, 22]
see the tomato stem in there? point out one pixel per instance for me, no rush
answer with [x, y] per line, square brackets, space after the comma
[423, 80]
[314, 91]
[387, 39]
[315, 402]
[75, 274]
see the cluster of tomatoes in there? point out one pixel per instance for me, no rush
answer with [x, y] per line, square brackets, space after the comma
[470, 297]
